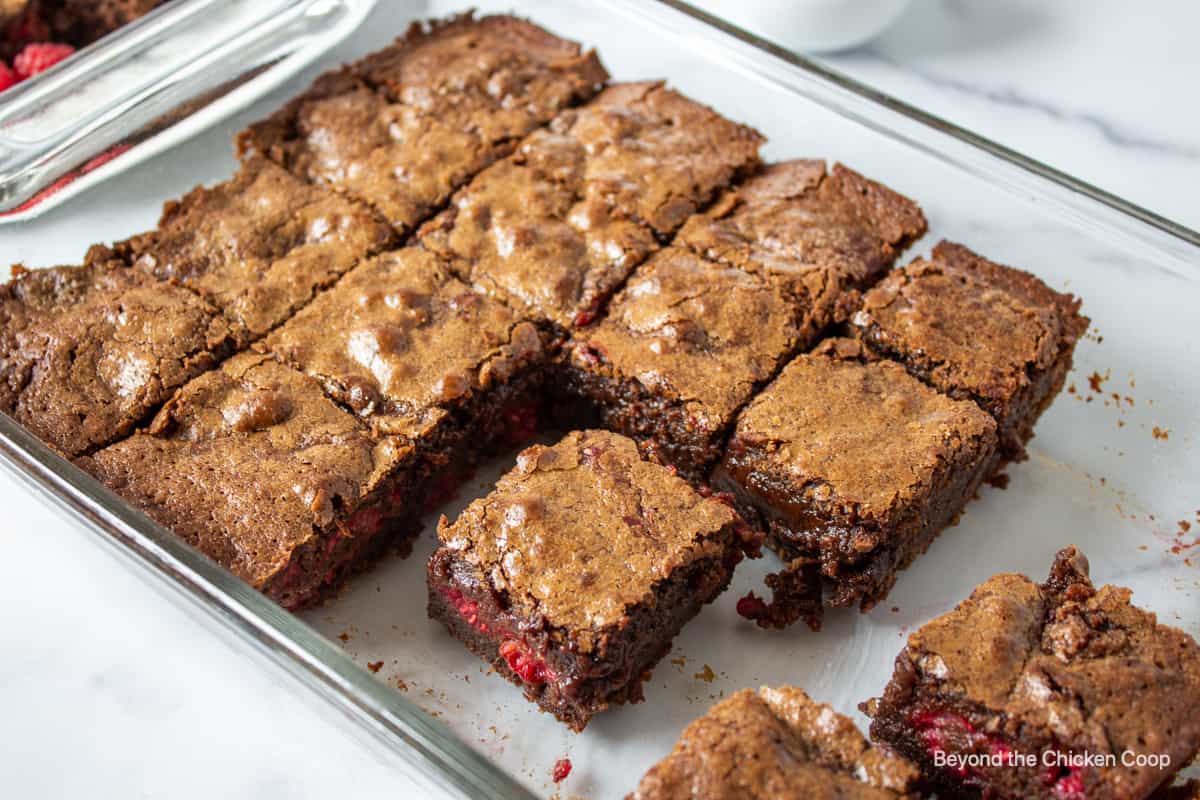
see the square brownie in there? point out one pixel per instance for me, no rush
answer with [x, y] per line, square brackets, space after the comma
[573, 576]
[255, 467]
[976, 330]
[415, 353]
[404, 127]
[1056, 690]
[683, 346]
[558, 226]
[825, 232]
[772, 743]
[855, 466]
[87, 353]
[258, 246]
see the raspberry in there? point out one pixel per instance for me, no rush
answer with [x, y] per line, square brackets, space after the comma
[8, 78]
[562, 768]
[525, 664]
[37, 58]
[751, 607]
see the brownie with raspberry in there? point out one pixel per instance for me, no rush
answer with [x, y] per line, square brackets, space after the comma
[555, 228]
[976, 330]
[258, 246]
[855, 466]
[776, 742]
[1056, 690]
[681, 348]
[825, 232]
[575, 573]
[406, 126]
[87, 353]
[253, 465]
[416, 354]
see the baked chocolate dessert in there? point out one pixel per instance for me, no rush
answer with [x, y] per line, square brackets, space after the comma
[404, 127]
[774, 743]
[555, 228]
[253, 465]
[573, 576]
[1057, 690]
[976, 330]
[87, 353]
[855, 467]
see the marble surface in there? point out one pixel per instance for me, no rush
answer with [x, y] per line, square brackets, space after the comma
[110, 690]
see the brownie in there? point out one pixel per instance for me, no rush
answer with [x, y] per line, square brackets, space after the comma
[976, 330]
[86, 353]
[575, 573]
[555, 228]
[255, 467]
[683, 346]
[771, 743]
[81, 22]
[404, 127]
[417, 354]
[258, 246]
[825, 232]
[855, 466]
[1055, 690]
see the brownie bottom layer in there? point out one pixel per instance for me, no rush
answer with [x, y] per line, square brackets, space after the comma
[822, 571]
[562, 679]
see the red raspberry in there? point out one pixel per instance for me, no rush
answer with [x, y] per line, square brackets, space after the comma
[8, 78]
[37, 58]
[562, 768]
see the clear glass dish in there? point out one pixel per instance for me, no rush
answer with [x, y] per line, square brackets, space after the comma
[1111, 468]
[151, 84]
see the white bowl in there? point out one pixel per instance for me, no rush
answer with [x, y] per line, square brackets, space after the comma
[810, 25]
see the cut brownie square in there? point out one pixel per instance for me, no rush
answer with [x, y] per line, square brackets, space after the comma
[1059, 691]
[683, 346]
[573, 576]
[855, 466]
[417, 354]
[404, 127]
[976, 330]
[826, 233]
[776, 742]
[255, 467]
[86, 353]
[557, 227]
[258, 246]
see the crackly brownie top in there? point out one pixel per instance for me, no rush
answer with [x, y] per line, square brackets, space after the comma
[259, 245]
[406, 126]
[248, 462]
[655, 155]
[977, 328]
[702, 333]
[865, 437]
[828, 231]
[538, 230]
[399, 340]
[776, 742]
[1085, 664]
[85, 352]
[581, 531]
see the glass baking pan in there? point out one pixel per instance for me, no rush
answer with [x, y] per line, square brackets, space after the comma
[1111, 469]
[150, 85]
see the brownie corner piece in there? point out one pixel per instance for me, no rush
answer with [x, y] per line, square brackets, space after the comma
[855, 466]
[575, 573]
[88, 352]
[1056, 690]
[252, 465]
[777, 742]
[682, 347]
[830, 230]
[979, 330]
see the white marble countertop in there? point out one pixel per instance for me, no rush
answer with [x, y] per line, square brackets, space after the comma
[107, 691]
